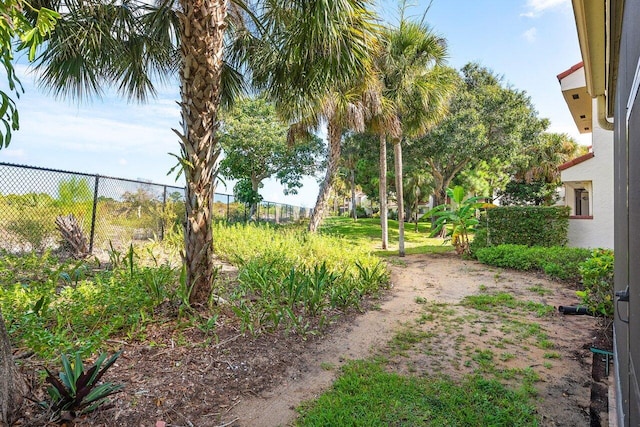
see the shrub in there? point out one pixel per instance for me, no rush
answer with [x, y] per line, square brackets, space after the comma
[35, 232]
[361, 212]
[557, 262]
[480, 240]
[52, 307]
[597, 278]
[528, 225]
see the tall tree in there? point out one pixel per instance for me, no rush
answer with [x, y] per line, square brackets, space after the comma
[317, 69]
[487, 120]
[354, 148]
[132, 45]
[418, 188]
[255, 147]
[416, 85]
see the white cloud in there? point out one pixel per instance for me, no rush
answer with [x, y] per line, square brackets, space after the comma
[537, 7]
[122, 162]
[530, 34]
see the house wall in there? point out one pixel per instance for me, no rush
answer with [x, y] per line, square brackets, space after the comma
[596, 232]
[627, 214]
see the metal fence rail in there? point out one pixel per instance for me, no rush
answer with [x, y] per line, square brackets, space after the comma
[112, 212]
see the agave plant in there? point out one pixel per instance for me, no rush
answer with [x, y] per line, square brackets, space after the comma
[76, 390]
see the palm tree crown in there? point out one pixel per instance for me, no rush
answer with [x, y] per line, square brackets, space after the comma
[415, 89]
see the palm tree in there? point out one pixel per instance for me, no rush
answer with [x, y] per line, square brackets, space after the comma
[543, 159]
[317, 69]
[386, 122]
[538, 166]
[131, 45]
[349, 161]
[418, 185]
[417, 86]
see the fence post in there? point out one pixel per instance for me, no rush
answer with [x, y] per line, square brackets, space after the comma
[164, 206]
[93, 214]
[228, 201]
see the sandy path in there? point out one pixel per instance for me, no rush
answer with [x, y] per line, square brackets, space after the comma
[352, 341]
[437, 278]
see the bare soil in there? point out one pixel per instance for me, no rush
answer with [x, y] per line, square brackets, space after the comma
[186, 377]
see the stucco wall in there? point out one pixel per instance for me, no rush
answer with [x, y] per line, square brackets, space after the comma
[596, 232]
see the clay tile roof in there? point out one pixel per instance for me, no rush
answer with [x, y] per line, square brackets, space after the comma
[575, 161]
[573, 69]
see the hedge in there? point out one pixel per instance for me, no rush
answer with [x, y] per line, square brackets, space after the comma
[525, 225]
[558, 262]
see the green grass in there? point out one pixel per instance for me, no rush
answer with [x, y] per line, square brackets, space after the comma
[540, 290]
[366, 232]
[367, 395]
[497, 302]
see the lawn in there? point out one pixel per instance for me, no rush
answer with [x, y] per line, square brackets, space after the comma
[366, 232]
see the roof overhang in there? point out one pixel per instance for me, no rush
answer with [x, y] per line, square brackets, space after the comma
[576, 161]
[574, 91]
[598, 23]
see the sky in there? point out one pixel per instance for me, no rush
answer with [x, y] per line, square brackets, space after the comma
[528, 42]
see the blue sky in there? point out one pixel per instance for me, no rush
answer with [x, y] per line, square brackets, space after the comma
[528, 42]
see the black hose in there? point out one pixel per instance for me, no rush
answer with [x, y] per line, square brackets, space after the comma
[570, 309]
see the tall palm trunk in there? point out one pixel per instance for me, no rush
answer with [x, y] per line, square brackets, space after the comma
[397, 154]
[202, 27]
[334, 134]
[11, 388]
[352, 182]
[384, 222]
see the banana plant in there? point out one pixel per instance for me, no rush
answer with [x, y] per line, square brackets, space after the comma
[458, 218]
[78, 391]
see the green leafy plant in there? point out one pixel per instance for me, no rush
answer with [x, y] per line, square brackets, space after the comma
[35, 232]
[460, 215]
[557, 262]
[526, 225]
[597, 279]
[78, 391]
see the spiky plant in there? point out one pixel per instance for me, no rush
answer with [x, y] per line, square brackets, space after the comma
[78, 391]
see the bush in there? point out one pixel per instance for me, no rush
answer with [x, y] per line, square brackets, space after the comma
[528, 225]
[361, 212]
[597, 278]
[557, 262]
[34, 232]
[480, 240]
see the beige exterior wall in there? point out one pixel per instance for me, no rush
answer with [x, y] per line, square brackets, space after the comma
[596, 176]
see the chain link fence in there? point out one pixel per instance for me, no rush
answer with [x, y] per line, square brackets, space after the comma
[112, 212]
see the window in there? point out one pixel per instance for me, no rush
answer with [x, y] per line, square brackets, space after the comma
[582, 202]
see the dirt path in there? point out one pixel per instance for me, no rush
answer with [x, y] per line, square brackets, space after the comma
[430, 282]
